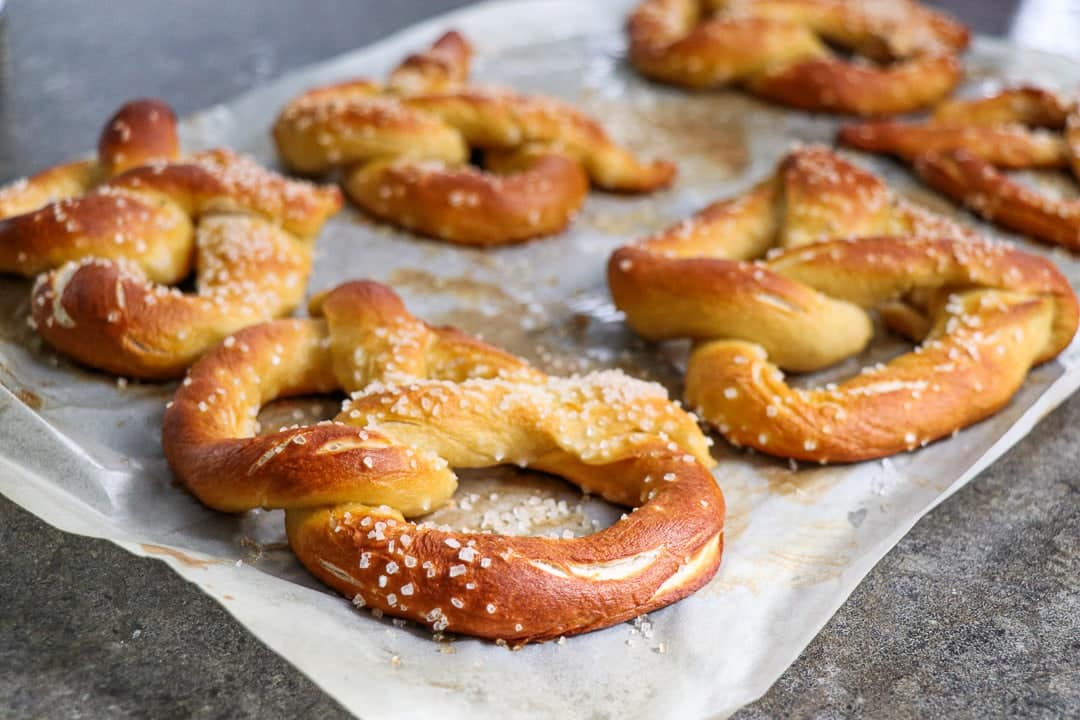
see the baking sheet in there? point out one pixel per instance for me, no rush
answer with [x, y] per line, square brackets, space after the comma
[82, 450]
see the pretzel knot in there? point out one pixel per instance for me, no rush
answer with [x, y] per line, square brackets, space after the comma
[984, 314]
[779, 49]
[425, 399]
[960, 150]
[405, 149]
[109, 248]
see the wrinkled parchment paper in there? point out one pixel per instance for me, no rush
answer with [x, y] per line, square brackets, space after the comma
[82, 450]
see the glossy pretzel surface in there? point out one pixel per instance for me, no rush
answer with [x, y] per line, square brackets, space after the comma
[404, 149]
[109, 238]
[963, 149]
[783, 278]
[425, 399]
[779, 49]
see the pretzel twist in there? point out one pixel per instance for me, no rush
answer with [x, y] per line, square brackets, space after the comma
[122, 231]
[838, 245]
[963, 147]
[405, 149]
[425, 399]
[777, 49]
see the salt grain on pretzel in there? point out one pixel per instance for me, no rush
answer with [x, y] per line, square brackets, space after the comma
[117, 232]
[779, 49]
[405, 149]
[962, 149]
[426, 399]
[984, 314]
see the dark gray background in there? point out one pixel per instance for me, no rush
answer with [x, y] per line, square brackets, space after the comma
[975, 613]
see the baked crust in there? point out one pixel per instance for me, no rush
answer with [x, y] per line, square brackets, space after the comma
[778, 49]
[404, 149]
[107, 237]
[425, 399]
[963, 148]
[783, 278]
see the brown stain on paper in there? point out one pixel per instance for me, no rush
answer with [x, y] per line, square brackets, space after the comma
[180, 556]
[802, 486]
[460, 286]
[705, 134]
[29, 398]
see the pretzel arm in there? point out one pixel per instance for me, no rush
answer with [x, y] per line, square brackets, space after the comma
[443, 66]
[832, 85]
[472, 206]
[107, 314]
[1006, 147]
[1026, 105]
[955, 379]
[976, 183]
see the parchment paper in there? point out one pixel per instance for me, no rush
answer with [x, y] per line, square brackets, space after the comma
[83, 452]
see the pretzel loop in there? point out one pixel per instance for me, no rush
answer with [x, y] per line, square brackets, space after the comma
[983, 314]
[424, 399]
[778, 49]
[124, 230]
[405, 149]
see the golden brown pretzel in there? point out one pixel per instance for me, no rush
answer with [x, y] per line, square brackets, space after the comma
[838, 245]
[405, 151]
[963, 146]
[424, 399]
[109, 244]
[778, 49]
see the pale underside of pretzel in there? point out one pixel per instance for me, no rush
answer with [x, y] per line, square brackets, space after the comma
[404, 149]
[432, 398]
[119, 235]
[962, 150]
[806, 308]
[779, 50]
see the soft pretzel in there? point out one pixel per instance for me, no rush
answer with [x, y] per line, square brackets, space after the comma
[405, 149]
[424, 399]
[838, 246]
[110, 246]
[961, 150]
[779, 49]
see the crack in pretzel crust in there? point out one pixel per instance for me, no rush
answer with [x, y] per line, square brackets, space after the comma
[404, 148]
[963, 148]
[107, 237]
[779, 50]
[425, 399]
[784, 278]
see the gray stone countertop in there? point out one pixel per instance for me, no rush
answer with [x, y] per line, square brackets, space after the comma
[976, 613]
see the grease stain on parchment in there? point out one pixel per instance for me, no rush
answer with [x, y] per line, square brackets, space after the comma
[29, 398]
[578, 335]
[182, 557]
[707, 133]
[811, 554]
[461, 287]
[745, 492]
[932, 201]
